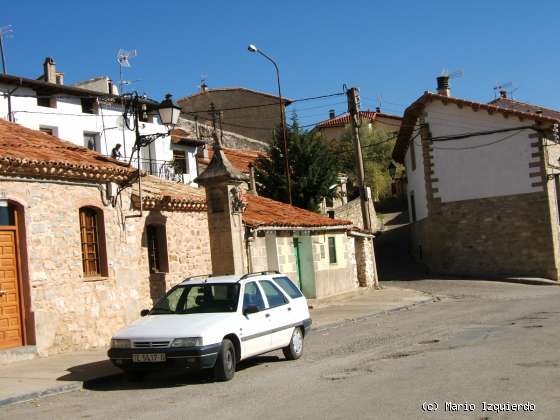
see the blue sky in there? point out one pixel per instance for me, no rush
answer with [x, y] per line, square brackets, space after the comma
[389, 48]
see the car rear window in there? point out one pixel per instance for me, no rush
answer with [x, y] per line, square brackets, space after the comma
[288, 286]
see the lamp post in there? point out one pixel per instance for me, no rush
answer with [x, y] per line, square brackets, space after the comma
[252, 48]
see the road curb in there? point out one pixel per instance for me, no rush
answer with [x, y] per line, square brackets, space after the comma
[385, 311]
[61, 389]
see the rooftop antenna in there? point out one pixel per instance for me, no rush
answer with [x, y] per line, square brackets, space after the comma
[123, 58]
[379, 100]
[202, 86]
[5, 31]
[454, 74]
[500, 89]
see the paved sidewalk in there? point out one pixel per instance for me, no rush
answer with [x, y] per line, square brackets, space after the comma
[40, 377]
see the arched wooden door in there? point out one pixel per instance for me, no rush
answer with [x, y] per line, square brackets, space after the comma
[11, 330]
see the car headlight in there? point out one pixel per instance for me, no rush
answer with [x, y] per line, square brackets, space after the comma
[118, 343]
[187, 342]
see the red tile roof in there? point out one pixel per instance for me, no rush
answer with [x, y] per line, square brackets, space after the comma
[525, 107]
[412, 113]
[262, 211]
[241, 159]
[30, 152]
[184, 137]
[162, 194]
[343, 120]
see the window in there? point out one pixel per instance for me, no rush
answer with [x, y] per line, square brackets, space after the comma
[412, 207]
[47, 130]
[93, 242]
[413, 155]
[329, 202]
[90, 141]
[252, 296]
[7, 215]
[273, 295]
[288, 286]
[157, 248]
[180, 162]
[88, 105]
[199, 299]
[332, 249]
[46, 101]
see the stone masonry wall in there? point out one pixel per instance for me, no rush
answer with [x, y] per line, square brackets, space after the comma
[73, 312]
[499, 236]
[353, 211]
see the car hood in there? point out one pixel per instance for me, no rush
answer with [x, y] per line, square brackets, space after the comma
[173, 326]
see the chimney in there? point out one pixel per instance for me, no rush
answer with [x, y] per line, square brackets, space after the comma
[49, 70]
[203, 87]
[503, 94]
[443, 86]
[377, 109]
[332, 114]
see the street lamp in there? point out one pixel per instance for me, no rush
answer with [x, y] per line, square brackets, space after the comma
[169, 111]
[252, 48]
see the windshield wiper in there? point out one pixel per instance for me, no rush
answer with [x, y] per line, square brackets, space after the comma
[156, 311]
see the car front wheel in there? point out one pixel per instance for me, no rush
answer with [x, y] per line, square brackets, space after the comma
[225, 364]
[295, 349]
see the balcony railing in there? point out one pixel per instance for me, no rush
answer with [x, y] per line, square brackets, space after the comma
[168, 170]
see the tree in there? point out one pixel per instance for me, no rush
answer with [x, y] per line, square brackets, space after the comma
[313, 169]
[377, 147]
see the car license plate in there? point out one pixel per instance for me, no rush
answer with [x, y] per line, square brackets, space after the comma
[148, 358]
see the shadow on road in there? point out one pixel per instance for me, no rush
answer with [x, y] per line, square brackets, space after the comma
[102, 376]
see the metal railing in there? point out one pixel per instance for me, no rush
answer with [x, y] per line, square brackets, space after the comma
[166, 169]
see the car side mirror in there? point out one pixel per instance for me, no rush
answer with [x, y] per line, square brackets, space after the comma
[144, 312]
[252, 309]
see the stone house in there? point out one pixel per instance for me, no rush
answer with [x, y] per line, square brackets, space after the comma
[325, 256]
[90, 114]
[483, 185]
[83, 248]
[336, 126]
[246, 112]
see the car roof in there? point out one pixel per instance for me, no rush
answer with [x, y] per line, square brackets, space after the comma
[230, 278]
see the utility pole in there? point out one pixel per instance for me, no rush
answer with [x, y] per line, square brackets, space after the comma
[354, 111]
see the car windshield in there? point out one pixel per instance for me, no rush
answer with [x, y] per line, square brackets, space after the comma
[198, 299]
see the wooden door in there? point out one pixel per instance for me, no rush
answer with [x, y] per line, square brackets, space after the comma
[10, 310]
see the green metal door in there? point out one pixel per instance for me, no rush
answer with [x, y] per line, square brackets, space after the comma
[298, 262]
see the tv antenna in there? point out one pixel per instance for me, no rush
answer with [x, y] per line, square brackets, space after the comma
[5, 31]
[203, 85]
[501, 89]
[378, 101]
[454, 74]
[123, 58]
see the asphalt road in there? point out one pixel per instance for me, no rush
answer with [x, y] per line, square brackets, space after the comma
[475, 342]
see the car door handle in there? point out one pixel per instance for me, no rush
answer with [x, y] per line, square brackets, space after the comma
[289, 309]
[267, 315]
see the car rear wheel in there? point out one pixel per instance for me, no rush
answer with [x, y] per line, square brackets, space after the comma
[295, 349]
[225, 363]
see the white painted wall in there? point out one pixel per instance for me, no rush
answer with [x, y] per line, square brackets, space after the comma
[69, 123]
[415, 182]
[494, 170]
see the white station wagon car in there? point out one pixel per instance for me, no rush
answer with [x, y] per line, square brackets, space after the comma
[214, 322]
